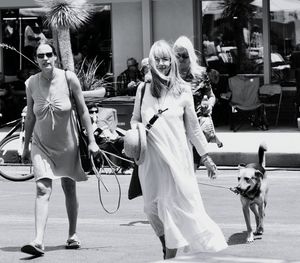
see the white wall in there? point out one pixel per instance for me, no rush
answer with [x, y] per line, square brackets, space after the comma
[172, 18]
[17, 3]
[127, 40]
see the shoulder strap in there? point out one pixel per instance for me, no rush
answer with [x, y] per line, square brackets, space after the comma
[142, 94]
[73, 102]
[70, 90]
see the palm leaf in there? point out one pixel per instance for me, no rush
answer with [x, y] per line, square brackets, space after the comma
[66, 13]
[63, 15]
[238, 8]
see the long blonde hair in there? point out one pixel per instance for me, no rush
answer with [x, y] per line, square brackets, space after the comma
[195, 68]
[161, 49]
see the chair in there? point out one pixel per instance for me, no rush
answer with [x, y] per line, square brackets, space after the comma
[245, 103]
[271, 96]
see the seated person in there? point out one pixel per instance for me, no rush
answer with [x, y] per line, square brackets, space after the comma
[128, 80]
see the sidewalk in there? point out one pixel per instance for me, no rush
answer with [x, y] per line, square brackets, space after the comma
[242, 146]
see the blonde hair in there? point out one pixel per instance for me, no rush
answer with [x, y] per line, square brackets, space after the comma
[195, 68]
[162, 49]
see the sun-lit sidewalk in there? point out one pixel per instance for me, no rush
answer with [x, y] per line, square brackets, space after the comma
[283, 147]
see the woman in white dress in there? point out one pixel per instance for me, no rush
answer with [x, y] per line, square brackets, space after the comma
[172, 201]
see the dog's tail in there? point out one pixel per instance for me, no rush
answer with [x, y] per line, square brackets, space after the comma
[261, 154]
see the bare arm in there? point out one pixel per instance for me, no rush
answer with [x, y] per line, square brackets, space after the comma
[30, 119]
[196, 136]
[82, 109]
[193, 129]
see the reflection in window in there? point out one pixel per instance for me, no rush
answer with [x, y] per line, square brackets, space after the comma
[23, 28]
[232, 36]
[285, 36]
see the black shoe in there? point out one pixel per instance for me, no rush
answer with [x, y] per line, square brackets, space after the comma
[33, 249]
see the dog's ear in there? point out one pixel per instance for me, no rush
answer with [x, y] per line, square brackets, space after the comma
[259, 174]
[241, 165]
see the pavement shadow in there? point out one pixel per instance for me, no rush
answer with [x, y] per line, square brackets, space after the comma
[30, 257]
[237, 239]
[133, 223]
[18, 249]
[240, 238]
[11, 249]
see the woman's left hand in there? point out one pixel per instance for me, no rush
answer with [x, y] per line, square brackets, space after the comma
[210, 166]
[93, 148]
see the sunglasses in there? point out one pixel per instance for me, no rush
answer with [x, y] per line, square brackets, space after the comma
[42, 55]
[182, 55]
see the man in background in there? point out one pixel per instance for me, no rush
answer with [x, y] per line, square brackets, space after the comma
[129, 79]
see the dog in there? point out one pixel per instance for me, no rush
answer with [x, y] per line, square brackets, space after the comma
[253, 189]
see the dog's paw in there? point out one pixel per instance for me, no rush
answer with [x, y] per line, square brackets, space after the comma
[250, 238]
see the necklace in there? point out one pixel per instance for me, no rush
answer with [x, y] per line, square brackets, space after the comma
[48, 79]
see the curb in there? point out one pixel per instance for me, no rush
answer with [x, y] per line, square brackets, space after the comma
[273, 159]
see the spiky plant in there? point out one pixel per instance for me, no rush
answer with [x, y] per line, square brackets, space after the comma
[61, 16]
[87, 75]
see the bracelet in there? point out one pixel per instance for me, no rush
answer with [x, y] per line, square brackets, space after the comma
[204, 157]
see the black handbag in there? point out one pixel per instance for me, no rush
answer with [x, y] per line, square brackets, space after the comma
[135, 188]
[82, 137]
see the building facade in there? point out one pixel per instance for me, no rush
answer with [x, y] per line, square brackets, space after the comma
[259, 41]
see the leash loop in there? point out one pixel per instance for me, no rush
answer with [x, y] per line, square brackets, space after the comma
[100, 180]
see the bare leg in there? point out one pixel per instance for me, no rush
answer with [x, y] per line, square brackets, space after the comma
[69, 188]
[43, 193]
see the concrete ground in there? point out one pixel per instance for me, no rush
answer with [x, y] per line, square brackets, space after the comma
[127, 237]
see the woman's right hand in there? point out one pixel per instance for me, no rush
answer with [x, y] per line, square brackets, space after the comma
[26, 156]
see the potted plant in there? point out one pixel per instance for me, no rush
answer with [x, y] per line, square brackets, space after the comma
[93, 86]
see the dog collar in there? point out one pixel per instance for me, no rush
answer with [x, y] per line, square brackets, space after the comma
[252, 194]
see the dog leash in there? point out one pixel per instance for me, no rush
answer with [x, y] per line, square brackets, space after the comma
[100, 180]
[117, 156]
[232, 189]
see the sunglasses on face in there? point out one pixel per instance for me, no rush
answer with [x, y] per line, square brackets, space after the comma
[42, 55]
[182, 55]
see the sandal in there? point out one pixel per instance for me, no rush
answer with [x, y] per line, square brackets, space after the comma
[33, 249]
[72, 244]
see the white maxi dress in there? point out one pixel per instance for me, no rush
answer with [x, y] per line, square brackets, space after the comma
[168, 182]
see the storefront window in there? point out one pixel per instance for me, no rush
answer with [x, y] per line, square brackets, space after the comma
[232, 36]
[285, 40]
[21, 26]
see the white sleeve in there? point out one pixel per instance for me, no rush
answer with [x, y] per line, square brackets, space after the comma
[192, 127]
[136, 114]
